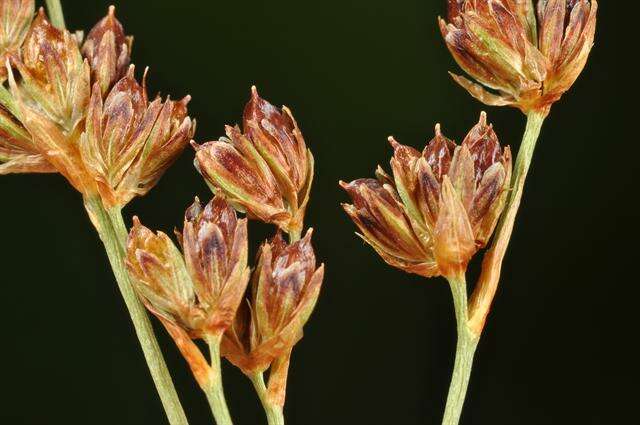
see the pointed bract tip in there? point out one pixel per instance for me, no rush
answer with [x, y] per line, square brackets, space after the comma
[254, 91]
[194, 145]
[438, 130]
[112, 11]
[483, 118]
[136, 221]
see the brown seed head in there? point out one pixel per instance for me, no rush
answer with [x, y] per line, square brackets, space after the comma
[51, 98]
[129, 142]
[201, 292]
[441, 205]
[529, 56]
[108, 50]
[285, 288]
[266, 170]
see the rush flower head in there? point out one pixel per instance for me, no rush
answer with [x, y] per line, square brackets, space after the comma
[530, 55]
[129, 142]
[15, 19]
[108, 50]
[441, 205]
[267, 170]
[195, 295]
[51, 97]
[201, 291]
[285, 288]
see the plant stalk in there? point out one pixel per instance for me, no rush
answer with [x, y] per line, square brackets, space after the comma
[492, 264]
[275, 415]
[114, 239]
[465, 350]
[215, 391]
[55, 14]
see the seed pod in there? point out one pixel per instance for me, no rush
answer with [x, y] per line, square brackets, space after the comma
[108, 50]
[529, 62]
[267, 170]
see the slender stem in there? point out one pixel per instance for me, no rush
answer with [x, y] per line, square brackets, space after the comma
[274, 413]
[492, 264]
[215, 392]
[465, 349]
[114, 244]
[55, 13]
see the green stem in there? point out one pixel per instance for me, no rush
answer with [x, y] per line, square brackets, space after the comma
[488, 282]
[114, 244]
[55, 13]
[215, 392]
[465, 349]
[274, 413]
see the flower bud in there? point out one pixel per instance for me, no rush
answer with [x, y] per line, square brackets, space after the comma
[285, 288]
[267, 170]
[441, 206]
[15, 18]
[108, 50]
[129, 142]
[529, 62]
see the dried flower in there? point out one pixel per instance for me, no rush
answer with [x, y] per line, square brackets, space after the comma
[267, 171]
[285, 288]
[196, 296]
[201, 291]
[51, 97]
[441, 206]
[15, 19]
[55, 78]
[530, 62]
[108, 50]
[129, 142]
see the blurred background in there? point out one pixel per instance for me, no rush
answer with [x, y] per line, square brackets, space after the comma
[559, 344]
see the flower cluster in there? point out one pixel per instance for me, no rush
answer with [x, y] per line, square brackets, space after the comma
[440, 206]
[77, 109]
[195, 294]
[529, 55]
[266, 170]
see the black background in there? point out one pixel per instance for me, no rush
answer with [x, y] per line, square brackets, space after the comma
[559, 345]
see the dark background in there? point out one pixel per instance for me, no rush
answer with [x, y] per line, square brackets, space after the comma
[559, 345]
